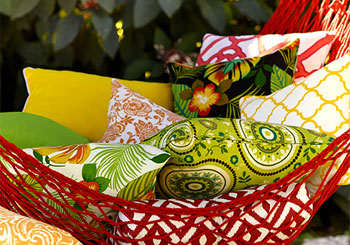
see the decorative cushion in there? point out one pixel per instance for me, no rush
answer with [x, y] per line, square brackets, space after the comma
[126, 171]
[212, 156]
[18, 229]
[313, 50]
[157, 92]
[132, 117]
[214, 90]
[28, 130]
[80, 101]
[321, 102]
[250, 224]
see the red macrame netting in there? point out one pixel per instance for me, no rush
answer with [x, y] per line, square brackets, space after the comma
[17, 195]
[313, 15]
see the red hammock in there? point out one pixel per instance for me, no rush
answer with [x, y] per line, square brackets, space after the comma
[314, 15]
[17, 195]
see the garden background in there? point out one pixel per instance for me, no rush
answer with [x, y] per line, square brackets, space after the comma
[130, 39]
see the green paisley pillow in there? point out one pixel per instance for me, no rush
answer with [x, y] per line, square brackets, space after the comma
[212, 156]
[126, 171]
[214, 90]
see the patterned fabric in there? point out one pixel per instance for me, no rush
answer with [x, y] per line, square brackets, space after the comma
[126, 171]
[212, 156]
[214, 90]
[321, 102]
[276, 214]
[132, 117]
[16, 229]
[313, 50]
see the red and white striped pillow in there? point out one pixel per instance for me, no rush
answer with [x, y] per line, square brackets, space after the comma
[272, 220]
[313, 50]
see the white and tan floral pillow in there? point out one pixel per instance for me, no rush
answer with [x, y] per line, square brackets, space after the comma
[132, 117]
[18, 229]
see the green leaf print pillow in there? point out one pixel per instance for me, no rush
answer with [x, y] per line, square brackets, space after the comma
[212, 156]
[126, 171]
[214, 90]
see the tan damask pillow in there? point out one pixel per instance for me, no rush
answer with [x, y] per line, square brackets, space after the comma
[132, 117]
[17, 229]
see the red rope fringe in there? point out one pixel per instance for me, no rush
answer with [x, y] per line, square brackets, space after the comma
[18, 196]
[314, 15]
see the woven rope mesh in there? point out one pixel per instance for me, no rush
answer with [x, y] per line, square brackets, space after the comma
[17, 195]
[314, 15]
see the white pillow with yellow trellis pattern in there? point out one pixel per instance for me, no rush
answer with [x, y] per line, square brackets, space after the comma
[320, 102]
[126, 171]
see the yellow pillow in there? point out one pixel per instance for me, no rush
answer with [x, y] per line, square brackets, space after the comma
[76, 100]
[80, 101]
[159, 93]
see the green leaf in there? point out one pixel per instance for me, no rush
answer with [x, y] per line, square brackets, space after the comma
[64, 57]
[188, 42]
[197, 83]
[157, 70]
[161, 38]
[138, 187]
[102, 22]
[33, 52]
[181, 106]
[67, 5]
[254, 9]
[203, 145]
[89, 41]
[267, 68]
[214, 12]
[224, 100]
[186, 94]
[251, 73]
[121, 163]
[78, 207]
[38, 156]
[45, 8]
[145, 11]
[161, 158]
[47, 160]
[6, 7]
[137, 69]
[170, 6]
[224, 85]
[260, 79]
[110, 44]
[107, 5]
[67, 29]
[279, 79]
[89, 172]
[312, 150]
[20, 8]
[102, 183]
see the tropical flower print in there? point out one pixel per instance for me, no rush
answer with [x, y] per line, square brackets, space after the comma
[75, 154]
[203, 99]
[233, 80]
[234, 69]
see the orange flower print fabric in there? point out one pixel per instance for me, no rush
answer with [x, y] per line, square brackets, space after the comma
[19, 230]
[132, 117]
[203, 99]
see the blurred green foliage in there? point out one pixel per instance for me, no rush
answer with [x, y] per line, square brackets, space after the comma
[129, 39]
[112, 37]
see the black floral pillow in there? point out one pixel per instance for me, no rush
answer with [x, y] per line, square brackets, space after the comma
[214, 90]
